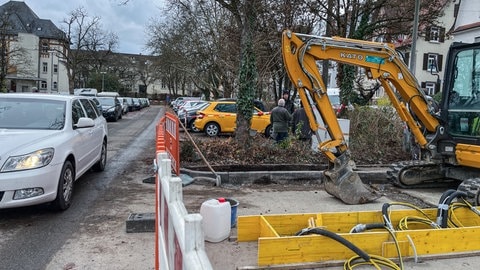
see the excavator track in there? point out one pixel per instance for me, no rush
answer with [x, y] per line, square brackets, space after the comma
[472, 188]
[417, 174]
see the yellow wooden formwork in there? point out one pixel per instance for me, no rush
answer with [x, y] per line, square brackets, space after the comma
[278, 243]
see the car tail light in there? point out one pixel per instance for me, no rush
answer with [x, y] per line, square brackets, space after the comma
[200, 115]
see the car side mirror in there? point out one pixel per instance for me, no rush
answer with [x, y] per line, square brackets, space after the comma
[84, 122]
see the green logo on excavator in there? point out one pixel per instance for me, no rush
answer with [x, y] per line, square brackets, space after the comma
[375, 59]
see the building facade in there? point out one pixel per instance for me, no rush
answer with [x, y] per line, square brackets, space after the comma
[467, 26]
[34, 50]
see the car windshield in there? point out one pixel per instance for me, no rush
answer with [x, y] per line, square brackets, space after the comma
[107, 101]
[32, 113]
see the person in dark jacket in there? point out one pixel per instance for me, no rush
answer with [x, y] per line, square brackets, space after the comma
[301, 127]
[280, 119]
[288, 102]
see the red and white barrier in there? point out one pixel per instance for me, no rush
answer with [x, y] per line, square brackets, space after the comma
[179, 237]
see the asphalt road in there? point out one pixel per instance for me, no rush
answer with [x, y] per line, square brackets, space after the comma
[30, 237]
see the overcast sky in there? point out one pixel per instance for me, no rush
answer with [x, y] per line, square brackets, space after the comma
[127, 21]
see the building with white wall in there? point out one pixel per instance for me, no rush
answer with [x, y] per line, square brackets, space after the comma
[467, 26]
[34, 50]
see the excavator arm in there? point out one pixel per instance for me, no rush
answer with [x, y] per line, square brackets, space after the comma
[381, 62]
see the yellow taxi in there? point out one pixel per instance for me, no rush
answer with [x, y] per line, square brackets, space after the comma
[221, 117]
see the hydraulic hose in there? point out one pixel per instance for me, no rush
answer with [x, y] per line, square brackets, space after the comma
[448, 201]
[442, 206]
[365, 227]
[337, 238]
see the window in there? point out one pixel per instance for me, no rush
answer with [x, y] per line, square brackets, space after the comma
[55, 85]
[226, 107]
[44, 67]
[77, 111]
[89, 108]
[432, 62]
[55, 68]
[45, 47]
[43, 85]
[434, 34]
[430, 88]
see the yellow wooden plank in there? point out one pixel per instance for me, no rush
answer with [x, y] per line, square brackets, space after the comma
[277, 243]
[313, 248]
[248, 228]
[287, 225]
[266, 229]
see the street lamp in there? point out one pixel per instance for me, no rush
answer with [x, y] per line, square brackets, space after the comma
[103, 80]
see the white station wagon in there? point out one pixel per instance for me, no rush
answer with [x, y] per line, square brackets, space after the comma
[46, 143]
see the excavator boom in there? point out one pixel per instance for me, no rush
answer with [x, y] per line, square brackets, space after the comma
[381, 62]
[449, 139]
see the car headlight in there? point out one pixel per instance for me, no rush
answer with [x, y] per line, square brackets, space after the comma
[29, 161]
[111, 109]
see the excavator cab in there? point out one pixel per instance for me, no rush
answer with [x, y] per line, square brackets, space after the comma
[461, 106]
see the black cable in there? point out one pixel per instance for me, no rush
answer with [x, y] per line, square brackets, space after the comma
[442, 206]
[365, 227]
[337, 238]
[448, 201]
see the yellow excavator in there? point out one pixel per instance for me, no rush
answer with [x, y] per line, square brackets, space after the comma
[448, 135]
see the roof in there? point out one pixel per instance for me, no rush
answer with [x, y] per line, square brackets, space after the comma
[467, 27]
[22, 19]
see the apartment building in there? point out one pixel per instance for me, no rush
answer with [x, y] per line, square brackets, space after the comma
[33, 51]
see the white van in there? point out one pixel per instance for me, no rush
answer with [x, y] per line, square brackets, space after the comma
[108, 94]
[85, 92]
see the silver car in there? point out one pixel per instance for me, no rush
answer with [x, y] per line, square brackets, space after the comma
[47, 142]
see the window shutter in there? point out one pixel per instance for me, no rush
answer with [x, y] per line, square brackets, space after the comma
[425, 61]
[437, 88]
[423, 85]
[440, 62]
[442, 35]
[407, 58]
[427, 33]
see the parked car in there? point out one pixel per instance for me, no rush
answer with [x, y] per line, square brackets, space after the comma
[188, 104]
[178, 100]
[111, 108]
[136, 104]
[124, 103]
[221, 116]
[130, 104]
[187, 116]
[46, 144]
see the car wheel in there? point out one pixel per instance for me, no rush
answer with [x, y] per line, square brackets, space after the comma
[65, 187]
[212, 129]
[102, 162]
[268, 131]
[193, 127]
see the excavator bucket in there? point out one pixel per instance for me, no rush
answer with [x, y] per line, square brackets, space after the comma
[345, 184]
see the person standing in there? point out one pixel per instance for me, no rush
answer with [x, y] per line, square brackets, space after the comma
[301, 126]
[288, 102]
[280, 119]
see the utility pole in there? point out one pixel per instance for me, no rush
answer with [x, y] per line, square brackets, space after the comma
[103, 80]
[413, 56]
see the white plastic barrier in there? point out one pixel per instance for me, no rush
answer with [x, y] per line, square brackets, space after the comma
[180, 242]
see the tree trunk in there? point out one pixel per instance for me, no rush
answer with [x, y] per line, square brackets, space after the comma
[248, 77]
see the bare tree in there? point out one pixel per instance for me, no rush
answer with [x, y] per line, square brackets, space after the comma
[87, 39]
